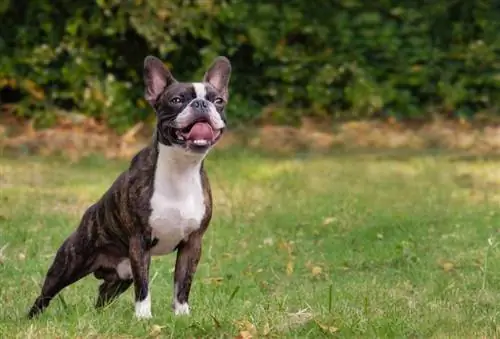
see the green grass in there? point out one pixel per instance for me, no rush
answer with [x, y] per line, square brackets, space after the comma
[304, 247]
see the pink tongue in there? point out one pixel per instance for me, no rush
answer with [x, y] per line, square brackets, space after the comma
[200, 130]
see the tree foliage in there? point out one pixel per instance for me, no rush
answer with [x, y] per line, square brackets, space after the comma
[347, 58]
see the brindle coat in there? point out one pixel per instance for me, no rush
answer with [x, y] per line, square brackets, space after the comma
[117, 227]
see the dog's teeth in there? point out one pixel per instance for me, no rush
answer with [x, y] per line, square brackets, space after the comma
[180, 137]
[200, 142]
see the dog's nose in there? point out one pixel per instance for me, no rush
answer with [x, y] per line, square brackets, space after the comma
[200, 104]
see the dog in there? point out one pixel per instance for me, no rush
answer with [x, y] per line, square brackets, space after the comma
[162, 203]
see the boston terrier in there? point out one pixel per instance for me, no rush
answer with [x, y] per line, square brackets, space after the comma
[160, 204]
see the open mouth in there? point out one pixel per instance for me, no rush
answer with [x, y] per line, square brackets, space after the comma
[199, 134]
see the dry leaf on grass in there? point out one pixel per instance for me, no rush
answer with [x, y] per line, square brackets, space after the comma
[213, 280]
[2, 256]
[155, 330]
[316, 270]
[266, 330]
[446, 265]
[244, 335]
[329, 220]
[326, 328]
[288, 246]
[268, 241]
[247, 329]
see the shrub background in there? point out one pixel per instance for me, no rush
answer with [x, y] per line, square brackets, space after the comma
[344, 59]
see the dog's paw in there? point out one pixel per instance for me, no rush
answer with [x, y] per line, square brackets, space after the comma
[181, 309]
[143, 309]
[143, 315]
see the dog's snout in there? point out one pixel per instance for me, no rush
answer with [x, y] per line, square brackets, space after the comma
[200, 104]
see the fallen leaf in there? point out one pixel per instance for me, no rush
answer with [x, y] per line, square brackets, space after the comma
[329, 220]
[244, 335]
[2, 256]
[289, 268]
[288, 246]
[155, 330]
[266, 330]
[316, 270]
[247, 329]
[246, 325]
[213, 280]
[448, 266]
[327, 329]
[268, 241]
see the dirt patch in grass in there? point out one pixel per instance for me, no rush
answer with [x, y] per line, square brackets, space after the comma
[78, 136]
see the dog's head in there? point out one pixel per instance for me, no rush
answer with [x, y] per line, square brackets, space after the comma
[190, 115]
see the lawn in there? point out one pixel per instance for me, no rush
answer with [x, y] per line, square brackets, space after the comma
[342, 245]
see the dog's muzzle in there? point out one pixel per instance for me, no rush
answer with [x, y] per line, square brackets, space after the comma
[200, 126]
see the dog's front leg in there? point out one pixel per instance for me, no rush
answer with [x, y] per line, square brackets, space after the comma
[188, 256]
[140, 260]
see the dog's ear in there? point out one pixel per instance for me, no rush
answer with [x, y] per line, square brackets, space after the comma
[218, 75]
[156, 78]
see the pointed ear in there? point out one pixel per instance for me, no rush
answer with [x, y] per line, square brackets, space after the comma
[218, 75]
[156, 78]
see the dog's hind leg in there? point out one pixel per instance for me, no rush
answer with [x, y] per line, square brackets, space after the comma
[112, 287]
[69, 265]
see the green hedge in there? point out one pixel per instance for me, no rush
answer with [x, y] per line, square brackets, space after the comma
[342, 58]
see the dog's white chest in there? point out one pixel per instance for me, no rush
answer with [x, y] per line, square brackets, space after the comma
[173, 220]
[177, 203]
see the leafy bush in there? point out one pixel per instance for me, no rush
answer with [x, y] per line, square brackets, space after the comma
[342, 58]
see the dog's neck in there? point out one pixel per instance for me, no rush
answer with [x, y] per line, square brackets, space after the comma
[174, 162]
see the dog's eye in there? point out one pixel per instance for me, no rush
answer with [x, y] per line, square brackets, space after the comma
[175, 100]
[218, 101]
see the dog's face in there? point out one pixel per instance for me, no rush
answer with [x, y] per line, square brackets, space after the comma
[189, 115]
